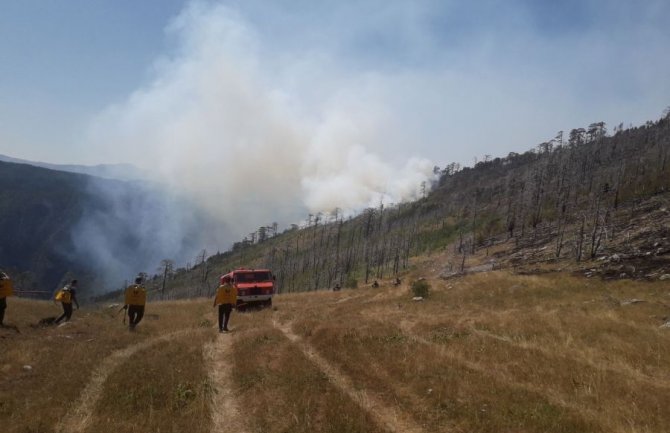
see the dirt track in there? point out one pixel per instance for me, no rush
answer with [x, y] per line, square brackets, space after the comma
[225, 411]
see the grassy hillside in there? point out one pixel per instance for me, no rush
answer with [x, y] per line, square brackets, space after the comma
[579, 199]
[489, 352]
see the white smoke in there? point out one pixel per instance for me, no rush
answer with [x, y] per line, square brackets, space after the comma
[252, 137]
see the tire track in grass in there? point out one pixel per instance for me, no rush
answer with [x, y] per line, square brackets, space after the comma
[78, 418]
[392, 419]
[225, 410]
[629, 373]
[554, 398]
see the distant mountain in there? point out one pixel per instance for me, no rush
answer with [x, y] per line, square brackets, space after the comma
[37, 208]
[108, 171]
[55, 225]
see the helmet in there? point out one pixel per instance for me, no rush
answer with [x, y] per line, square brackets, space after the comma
[138, 280]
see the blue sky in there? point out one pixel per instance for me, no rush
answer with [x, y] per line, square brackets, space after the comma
[393, 85]
[62, 61]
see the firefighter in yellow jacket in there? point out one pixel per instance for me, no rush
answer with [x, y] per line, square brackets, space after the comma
[6, 289]
[66, 296]
[135, 300]
[226, 299]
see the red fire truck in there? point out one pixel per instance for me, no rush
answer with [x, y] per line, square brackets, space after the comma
[254, 286]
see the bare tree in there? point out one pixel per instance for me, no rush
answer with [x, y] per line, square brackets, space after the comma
[166, 268]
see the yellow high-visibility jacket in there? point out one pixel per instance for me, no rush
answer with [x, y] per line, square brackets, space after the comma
[6, 288]
[135, 294]
[226, 294]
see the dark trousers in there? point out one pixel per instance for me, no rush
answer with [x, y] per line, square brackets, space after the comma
[67, 312]
[224, 315]
[135, 314]
[3, 307]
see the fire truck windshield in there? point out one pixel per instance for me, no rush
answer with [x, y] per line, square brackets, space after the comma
[252, 277]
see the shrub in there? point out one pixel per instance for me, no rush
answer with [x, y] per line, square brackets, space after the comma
[420, 287]
[351, 283]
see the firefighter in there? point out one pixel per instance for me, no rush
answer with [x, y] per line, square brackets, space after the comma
[66, 296]
[135, 300]
[226, 299]
[6, 289]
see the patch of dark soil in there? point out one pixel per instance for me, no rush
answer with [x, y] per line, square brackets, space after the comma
[534, 271]
[647, 267]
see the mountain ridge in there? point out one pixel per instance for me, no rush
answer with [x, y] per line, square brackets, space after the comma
[121, 171]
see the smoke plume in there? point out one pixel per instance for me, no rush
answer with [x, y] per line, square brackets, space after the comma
[250, 136]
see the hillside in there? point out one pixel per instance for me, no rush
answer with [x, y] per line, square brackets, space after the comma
[38, 207]
[586, 200]
[110, 171]
[548, 311]
[55, 225]
[483, 353]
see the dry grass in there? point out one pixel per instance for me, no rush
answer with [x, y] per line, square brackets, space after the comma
[164, 388]
[490, 352]
[62, 359]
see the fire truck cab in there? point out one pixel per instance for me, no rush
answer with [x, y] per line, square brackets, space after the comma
[254, 286]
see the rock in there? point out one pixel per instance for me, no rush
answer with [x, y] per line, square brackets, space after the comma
[615, 258]
[665, 325]
[450, 274]
[417, 298]
[664, 277]
[110, 306]
[632, 301]
[27, 367]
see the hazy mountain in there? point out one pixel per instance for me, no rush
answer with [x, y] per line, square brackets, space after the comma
[109, 171]
[57, 224]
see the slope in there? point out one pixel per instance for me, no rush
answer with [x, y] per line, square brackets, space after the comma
[486, 352]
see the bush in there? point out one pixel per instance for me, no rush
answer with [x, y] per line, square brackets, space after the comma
[351, 283]
[421, 287]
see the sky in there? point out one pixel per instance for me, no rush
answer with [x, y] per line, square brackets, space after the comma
[316, 104]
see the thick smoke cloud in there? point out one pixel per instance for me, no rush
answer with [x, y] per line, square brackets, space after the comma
[226, 124]
[218, 124]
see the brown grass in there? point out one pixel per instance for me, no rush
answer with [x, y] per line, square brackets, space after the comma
[492, 352]
[164, 388]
